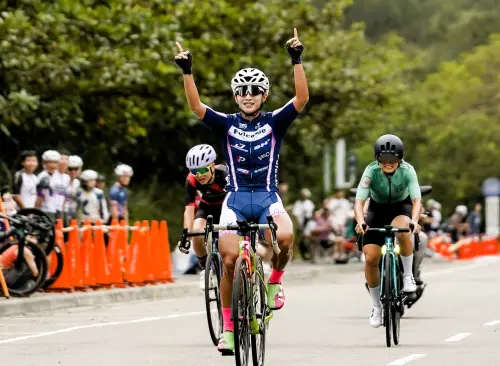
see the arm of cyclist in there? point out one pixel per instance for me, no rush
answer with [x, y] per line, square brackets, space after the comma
[185, 61]
[416, 198]
[362, 194]
[295, 49]
[189, 202]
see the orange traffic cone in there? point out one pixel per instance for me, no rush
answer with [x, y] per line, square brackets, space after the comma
[64, 282]
[86, 254]
[116, 274]
[146, 257]
[133, 273]
[100, 265]
[167, 260]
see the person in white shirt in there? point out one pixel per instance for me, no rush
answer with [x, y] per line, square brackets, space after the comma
[25, 181]
[303, 210]
[51, 186]
[341, 209]
[91, 201]
[75, 164]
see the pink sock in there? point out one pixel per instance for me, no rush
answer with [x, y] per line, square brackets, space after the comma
[226, 318]
[276, 276]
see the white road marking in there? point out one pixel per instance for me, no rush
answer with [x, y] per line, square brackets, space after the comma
[494, 322]
[457, 337]
[98, 325]
[405, 360]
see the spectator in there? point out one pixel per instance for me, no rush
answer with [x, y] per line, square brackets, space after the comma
[341, 208]
[75, 164]
[51, 188]
[101, 182]
[63, 162]
[25, 180]
[474, 219]
[91, 201]
[456, 224]
[303, 210]
[118, 194]
[321, 232]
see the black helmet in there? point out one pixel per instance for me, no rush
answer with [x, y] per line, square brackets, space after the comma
[389, 144]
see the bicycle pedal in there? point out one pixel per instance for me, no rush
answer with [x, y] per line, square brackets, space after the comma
[227, 352]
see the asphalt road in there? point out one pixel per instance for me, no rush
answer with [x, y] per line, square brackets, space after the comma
[324, 322]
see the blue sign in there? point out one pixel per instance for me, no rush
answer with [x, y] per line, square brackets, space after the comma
[491, 187]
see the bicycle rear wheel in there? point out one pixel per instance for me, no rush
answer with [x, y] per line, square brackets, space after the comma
[387, 299]
[212, 297]
[240, 314]
[260, 306]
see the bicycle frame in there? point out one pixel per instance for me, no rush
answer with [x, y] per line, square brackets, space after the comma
[392, 250]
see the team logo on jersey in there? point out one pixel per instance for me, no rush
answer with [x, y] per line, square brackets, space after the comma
[242, 125]
[250, 136]
[257, 147]
[257, 125]
[365, 182]
[240, 147]
[399, 187]
[263, 156]
[244, 171]
[240, 159]
[261, 169]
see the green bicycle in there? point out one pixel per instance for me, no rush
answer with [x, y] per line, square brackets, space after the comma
[391, 294]
[249, 309]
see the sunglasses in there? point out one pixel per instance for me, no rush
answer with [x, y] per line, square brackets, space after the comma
[388, 159]
[201, 171]
[253, 90]
[72, 169]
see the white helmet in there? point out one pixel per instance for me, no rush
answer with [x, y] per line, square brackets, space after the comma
[461, 209]
[75, 161]
[88, 175]
[200, 156]
[250, 76]
[51, 155]
[123, 169]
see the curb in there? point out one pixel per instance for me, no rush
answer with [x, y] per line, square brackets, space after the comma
[47, 302]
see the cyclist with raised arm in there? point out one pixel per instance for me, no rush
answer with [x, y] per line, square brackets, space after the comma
[251, 141]
[395, 199]
[209, 179]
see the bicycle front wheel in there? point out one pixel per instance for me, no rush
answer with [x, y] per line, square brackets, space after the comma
[397, 305]
[240, 313]
[387, 299]
[260, 307]
[212, 297]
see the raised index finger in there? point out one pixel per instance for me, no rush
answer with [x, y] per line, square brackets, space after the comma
[295, 34]
[179, 47]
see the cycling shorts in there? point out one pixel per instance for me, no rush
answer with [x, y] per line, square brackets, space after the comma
[204, 210]
[250, 206]
[380, 215]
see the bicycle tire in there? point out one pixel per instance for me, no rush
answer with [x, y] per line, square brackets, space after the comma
[397, 304]
[43, 267]
[259, 340]
[59, 268]
[49, 238]
[212, 294]
[387, 298]
[240, 313]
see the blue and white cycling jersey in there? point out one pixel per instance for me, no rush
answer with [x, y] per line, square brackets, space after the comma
[251, 148]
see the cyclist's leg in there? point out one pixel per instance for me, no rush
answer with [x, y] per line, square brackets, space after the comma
[419, 256]
[228, 248]
[406, 248]
[200, 221]
[372, 241]
[271, 205]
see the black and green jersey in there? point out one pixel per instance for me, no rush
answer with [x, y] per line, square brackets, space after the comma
[387, 189]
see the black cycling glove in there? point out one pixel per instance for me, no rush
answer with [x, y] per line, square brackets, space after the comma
[186, 64]
[295, 53]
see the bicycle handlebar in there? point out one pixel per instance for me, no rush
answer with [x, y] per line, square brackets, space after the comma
[390, 229]
[242, 226]
[21, 220]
